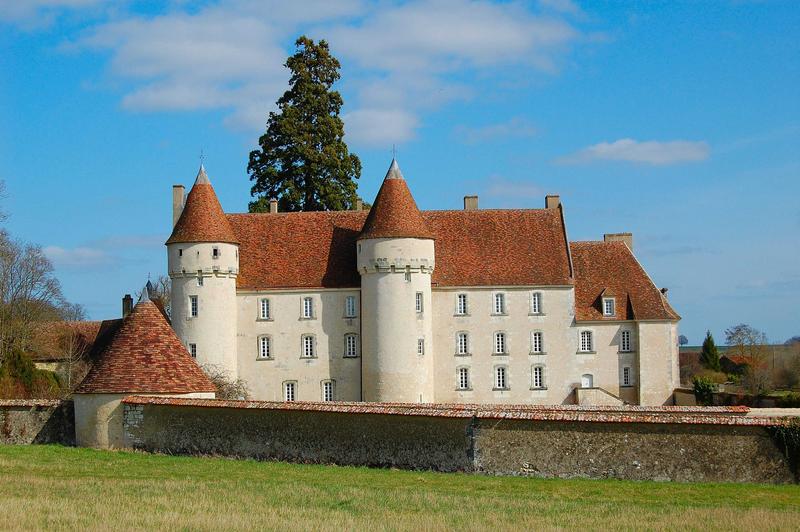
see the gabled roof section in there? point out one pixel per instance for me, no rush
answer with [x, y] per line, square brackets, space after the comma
[394, 213]
[145, 356]
[603, 268]
[202, 219]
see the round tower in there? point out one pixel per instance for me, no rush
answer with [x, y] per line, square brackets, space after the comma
[395, 257]
[203, 263]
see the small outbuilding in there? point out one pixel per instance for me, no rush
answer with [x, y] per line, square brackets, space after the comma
[145, 357]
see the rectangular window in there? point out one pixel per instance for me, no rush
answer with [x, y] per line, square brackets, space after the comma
[586, 341]
[500, 381]
[289, 391]
[264, 350]
[625, 341]
[461, 304]
[215, 252]
[308, 346]
[327, 391]
[499, 303]
[420, 346]
[463, 378]
[626, 376]
[264, 310]
[538, 377]
[199, 277]
[500, 343]
[308, 307]
[350, 306]
[193, 350]
[536, 342]
[608, 307]
[418, 302]
[462, 343]
[350, 345]
[536, 303]
[408, 275]
[193, 306]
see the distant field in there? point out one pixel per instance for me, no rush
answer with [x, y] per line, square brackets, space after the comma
[63, 488]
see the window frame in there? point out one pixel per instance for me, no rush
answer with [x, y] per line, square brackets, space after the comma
[465, 384]
[466, 342]
[540, 336]
[498, 371]
[307, 308]
[500, 337]
[421, 346]
[612, 301]
[313, 344]
[328, 383]
[260, 347]
[192, 348]
[261, 307]
[347, 338]
[200, 280]
[503, 310]
[590, 334]
[350, 307]
[536, 303]
[459, 310]
[627, 376]
[625, 341]
[287, 385]
[540, 369]
[194, 306]
[216, 252]
[419, 302]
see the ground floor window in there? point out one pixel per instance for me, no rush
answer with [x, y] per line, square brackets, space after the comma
[500, 378]
[463, 378]
[538, 376]
[327, 390]
[289, 391]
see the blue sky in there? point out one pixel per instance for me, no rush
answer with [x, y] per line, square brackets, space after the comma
[677, 121]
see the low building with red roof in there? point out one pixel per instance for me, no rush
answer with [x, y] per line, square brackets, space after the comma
[396, 304]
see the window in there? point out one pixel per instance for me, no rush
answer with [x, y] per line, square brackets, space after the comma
[462, 343]
[626, 376]
[193, 350]
[418, 302]
[308, 307]
[215, 253]
[462, 376]
[350, 307]
[264, 311]
[500, 378]
[180, 252]
[536, 303]
[461, 304]
[264, 347]
[199, 277]
[350, 345]
[420, 346]
[500, 343]
[407, 275]
[586, 342]
[608, 306]
[537, 377]
[587, 380]
[536, 342]
[308, 346]
[193, 306]
[327, 391]
[289, 391]
[499, 303]
[625, 341]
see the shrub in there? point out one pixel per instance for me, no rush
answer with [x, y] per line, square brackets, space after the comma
[717, 377]
[20, 379]
[704, 391]
[790, 400]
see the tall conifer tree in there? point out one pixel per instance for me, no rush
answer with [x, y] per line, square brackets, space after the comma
[709, 356]
[303, 160]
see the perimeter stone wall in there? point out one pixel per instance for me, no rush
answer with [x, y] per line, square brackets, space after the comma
[24, 421]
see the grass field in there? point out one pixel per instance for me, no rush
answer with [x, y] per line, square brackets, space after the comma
[64, 488]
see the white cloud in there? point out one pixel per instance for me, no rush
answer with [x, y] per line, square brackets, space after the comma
[500, 187]
[517, 127]
[644, 152]
[380, 127]
[79, 257]
[37, 14]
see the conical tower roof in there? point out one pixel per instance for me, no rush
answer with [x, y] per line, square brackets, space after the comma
[394, 213]
[145, 356]
[202, 219]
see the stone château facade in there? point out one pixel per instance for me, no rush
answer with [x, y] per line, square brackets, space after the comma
[402, 305]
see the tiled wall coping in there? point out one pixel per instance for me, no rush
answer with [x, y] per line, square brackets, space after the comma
[29, 403]
[596, 414]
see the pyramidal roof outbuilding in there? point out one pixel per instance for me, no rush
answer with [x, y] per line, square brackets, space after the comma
[145, 356]
[394, 213]
[202, 219]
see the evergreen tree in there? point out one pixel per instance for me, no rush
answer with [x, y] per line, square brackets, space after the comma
[709, 356]
[304, 161]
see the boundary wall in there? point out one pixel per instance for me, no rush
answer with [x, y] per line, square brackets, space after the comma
[714, 444]
[25, 421]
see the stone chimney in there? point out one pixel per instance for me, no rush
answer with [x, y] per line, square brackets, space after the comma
[620, 237]
[552, 201]
[470, 203]
[359, 205]
[127, 305]
[177, 203]
[273, 206]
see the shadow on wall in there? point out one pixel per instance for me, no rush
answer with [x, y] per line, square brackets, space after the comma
[37, 421]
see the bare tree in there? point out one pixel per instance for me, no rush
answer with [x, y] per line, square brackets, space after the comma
[73, 344]
[227, 388]
[750, 346]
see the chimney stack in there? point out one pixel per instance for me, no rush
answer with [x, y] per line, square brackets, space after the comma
[177, 203]
[273, 206]
[552, 201]
[470, 203]
[359, 205]
[127, 305]
[620, 237]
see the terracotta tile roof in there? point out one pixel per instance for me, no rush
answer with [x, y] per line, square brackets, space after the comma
[145, 356]
[394, 213]
[318, 249]
[611, 267]
[202, 219]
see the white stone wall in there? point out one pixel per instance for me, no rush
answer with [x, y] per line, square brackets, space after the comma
[213, 330]
[286, 326]
[658, 362]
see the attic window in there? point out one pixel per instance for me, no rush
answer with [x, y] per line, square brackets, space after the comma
[608, 306]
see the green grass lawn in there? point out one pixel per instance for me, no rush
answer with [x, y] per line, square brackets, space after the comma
[64, 488]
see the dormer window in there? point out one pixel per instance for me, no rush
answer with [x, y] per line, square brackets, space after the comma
[609, 307]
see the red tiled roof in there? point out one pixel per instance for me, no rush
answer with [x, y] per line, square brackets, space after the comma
[611, 267]
[202, 219]
[318, 249]
[145, 356]
[394, 214]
